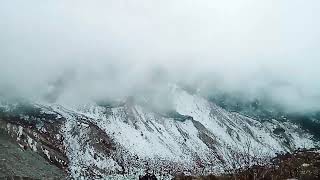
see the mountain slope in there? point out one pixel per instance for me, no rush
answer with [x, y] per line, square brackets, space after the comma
[19, 163]
[127, 139]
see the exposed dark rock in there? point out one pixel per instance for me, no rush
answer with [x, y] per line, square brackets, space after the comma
[20, 163]
[279, 131]
[148, 177]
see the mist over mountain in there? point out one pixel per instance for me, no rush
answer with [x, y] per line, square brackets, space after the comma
[77, 52]
[122, 89]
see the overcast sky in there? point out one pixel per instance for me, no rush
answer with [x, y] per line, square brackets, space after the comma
[118, 47]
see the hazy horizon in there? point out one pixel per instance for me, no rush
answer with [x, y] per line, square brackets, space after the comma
[118, 48]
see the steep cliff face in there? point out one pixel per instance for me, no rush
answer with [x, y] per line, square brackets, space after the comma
[127, 139]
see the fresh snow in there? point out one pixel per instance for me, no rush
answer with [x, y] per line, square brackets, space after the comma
[207, 140]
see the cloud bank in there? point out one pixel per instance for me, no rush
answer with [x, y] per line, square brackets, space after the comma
[104, 49]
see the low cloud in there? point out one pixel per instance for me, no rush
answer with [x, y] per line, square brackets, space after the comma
[78, 51]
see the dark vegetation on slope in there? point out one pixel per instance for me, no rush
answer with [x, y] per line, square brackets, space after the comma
[302, 165]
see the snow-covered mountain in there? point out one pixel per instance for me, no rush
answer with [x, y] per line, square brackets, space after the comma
[127, 139]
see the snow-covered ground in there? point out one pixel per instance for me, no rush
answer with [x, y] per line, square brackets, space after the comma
[129, 139]
[211, 141]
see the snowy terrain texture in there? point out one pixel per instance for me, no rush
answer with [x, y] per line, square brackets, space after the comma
[129, 139]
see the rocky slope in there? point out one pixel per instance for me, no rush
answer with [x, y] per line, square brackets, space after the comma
[125, 140]
[301, 164]
[20, 163]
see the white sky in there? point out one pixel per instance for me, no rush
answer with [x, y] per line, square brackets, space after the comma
[114, 47]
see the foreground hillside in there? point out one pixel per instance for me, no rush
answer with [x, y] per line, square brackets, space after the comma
[302, 165]
[19, 163]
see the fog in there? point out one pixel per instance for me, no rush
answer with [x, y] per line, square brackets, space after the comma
[74, 51]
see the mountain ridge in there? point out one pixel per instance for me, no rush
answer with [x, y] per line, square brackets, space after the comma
[197, 137]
